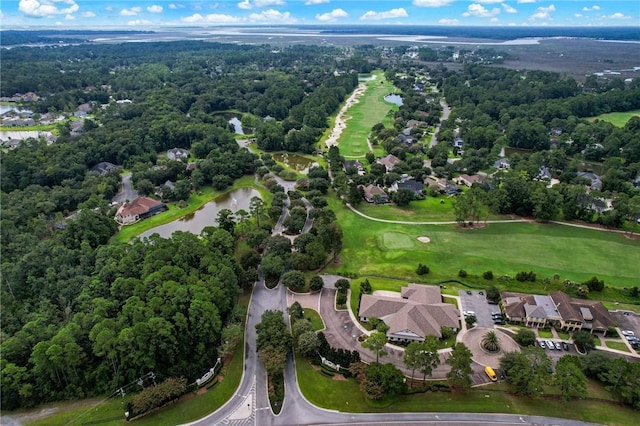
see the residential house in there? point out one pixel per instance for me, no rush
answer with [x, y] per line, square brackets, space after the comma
[415, 123]
[165, 189]
[82, 110]
[458, 142]
[595, 181]
[469, 180]
[76, 127]
[138, 209]
[418, 311]
[390, 161]
[556, 310]
[192, 166]
[375, 194]
[544, 173]
[405, 137]
[353, 163]
[103, 168]
[636, 182]
[502, 163]
[446, 187]
[411, 184]
[179, 154]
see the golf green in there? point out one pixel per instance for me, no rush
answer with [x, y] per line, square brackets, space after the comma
[396, 240]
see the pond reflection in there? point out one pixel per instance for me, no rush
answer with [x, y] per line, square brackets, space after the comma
[195, 222]
[296, 162]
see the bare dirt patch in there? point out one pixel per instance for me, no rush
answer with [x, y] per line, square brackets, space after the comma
[339, 377]
[424, 239]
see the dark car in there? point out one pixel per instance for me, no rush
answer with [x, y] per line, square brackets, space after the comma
[565, 346]
[481, 293]
[469, 292]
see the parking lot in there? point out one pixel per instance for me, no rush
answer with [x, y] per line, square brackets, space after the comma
[627, 320]
[476, 302]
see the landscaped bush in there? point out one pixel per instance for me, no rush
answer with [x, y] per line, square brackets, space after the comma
[487, 275]
[462, 273]
[422, 269]
[525, 337]
[316, 283]
[341, 357]
[156, 396]
[526, 276]
[341, 299]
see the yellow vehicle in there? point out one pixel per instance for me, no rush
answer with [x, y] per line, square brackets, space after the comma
[492, 374]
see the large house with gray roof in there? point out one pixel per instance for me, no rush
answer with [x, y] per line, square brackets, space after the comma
[556, 310]
[416, 312]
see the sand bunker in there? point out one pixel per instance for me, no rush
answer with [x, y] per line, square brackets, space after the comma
[424, 239]
[341, 118]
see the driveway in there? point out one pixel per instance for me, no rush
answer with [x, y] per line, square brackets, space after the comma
[477, 303]
[126, 190]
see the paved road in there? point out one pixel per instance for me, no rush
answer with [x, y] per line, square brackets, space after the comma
[126, 190]
[445, 114]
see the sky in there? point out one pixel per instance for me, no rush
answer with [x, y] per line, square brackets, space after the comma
[155, 14]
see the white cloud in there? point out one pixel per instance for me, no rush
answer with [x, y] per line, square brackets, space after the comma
[446, 21]
[526, 1]
[578, 15]
[479, 11]
[432, 3]
[489, 1]
[332, 16]
[494, 20]
[131, 11]
[591, 9]
[312, 2]
[508, 8]
[176, 6]
[376, 16]
[245, 5]
[154, 8]
[88, 14]
[543, 12]
[214, 18]
[618, 15]
[272, 16]
[266, 3]
[138, 22]
[42, 8]
[69, 17]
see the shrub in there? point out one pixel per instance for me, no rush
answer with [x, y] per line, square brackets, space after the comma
[447, 332]
[462, 273]
[525, 337]
[316, 283]
[422, 269]
[488, 275]
[365, 287]
[526, 276]
[156, 396]
[341, 299]
[594, 284]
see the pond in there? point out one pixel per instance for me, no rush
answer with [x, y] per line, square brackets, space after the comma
[206, 215]
[237, 125]
[294, 161]
[394, 99]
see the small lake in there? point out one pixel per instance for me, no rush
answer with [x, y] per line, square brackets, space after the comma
[394, 99]
[195, 222]
[237, 125]
[296, 162]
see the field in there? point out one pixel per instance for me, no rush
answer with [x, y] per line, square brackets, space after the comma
[374, 248]
[370, 110]
[618, 119]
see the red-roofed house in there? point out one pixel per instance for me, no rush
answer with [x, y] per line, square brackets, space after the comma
[138, 209]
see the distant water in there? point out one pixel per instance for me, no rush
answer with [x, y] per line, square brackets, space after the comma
[7, 108]
[394, 99]
[237, 125]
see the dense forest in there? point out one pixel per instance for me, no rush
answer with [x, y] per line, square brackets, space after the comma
[83, 316]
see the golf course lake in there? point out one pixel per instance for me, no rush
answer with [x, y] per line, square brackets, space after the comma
[394, 99]
[195, 222]
[296, 162]
[237, 125]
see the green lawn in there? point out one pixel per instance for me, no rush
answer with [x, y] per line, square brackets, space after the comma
[315, 319]
[196, 200]
[370, 110]
[617, 118]
[620, 346]
[545, 334]
[346, 396]
[375, 248]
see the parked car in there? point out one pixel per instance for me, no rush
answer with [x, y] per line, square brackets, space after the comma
[558, 346]
[467, 313]
[469, 292]
[542, 344]
[498, 322]
[631, 338]
[550, 344]
[565, 346]
[481, 293]
[628, 333]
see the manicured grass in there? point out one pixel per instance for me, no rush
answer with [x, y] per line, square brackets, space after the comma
[36, 128]
[620, 346]
[573, 253]
[196, 200]
[315, 319]
[563, 334]
[346, 396]
[617, 118]
[371, 109]
[545, 334]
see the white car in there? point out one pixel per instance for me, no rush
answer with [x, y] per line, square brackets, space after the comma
[467, 313]
[628, 333]
[550, 344]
